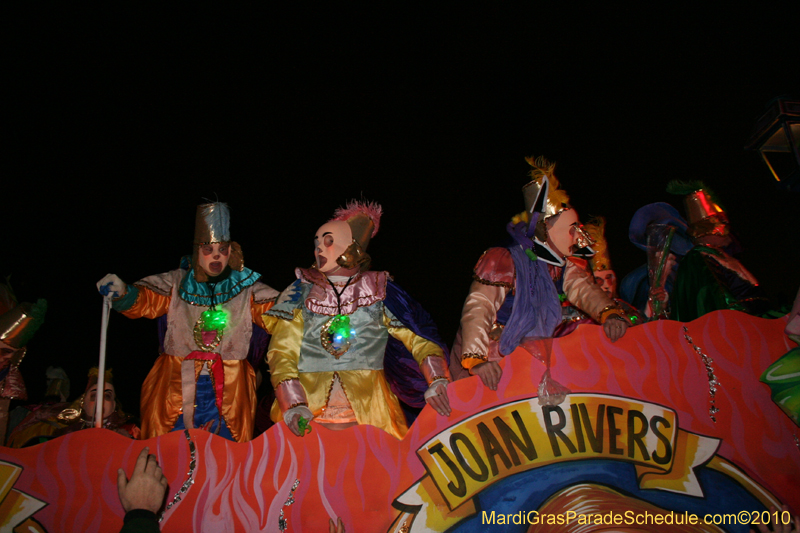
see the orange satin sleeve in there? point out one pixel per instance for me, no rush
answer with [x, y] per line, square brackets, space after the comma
[148, 304]
[258, 310]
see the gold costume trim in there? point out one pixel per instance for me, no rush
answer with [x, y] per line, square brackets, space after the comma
[330, 390]
[298, 404]
[614, 310]
[475, 356]
[317, 304]
[326, 342]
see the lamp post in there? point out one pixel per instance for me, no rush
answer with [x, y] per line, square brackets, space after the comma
[777, 138]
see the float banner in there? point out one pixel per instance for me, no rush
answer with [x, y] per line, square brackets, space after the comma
[518, 436]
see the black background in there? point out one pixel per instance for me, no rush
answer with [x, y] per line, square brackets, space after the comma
[119, 120]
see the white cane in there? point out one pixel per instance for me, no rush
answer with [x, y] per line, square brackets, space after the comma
[101, 366]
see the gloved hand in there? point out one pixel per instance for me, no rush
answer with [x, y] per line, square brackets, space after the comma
[436, 397]
[292, 418]
[112, 286]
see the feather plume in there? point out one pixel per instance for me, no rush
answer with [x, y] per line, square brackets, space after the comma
[596, 228]
[354, 207]
[542, 167]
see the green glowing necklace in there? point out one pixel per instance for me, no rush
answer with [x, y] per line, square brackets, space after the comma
[337, 335]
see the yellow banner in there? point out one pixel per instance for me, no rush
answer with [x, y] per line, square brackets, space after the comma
[462, 460]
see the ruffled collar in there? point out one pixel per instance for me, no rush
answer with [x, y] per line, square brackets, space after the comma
[365, 289]
[198, 293]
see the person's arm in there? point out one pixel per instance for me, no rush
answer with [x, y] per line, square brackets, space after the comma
[283, 356]
[263, 300]
[494, 278]
[147, 298]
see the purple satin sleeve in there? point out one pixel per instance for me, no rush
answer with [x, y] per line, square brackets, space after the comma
[403, 372]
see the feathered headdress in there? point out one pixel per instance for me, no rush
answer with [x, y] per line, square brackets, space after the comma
[596, 228]
[364, 219]
[557, 199]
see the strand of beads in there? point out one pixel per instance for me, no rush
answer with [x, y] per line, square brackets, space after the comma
[283, 523]
[189, 476]
[713, 382]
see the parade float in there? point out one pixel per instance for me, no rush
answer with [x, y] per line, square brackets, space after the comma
[670, 420]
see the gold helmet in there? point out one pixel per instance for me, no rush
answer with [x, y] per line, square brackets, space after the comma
[542, 195]
[703, 213]
[213, 225]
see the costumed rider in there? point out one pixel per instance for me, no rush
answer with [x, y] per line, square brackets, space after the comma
[709, 278]
[518, 292]
[203, 379]
[18, 323]
[603, 272]
[348, 341]
[80, 415]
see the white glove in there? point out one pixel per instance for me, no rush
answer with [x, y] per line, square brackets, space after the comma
[112, 286]
[436, 397]
[433, 388]
[301, 410]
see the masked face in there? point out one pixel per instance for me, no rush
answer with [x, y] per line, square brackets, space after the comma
[109, 401]
[331, 240]
[562, 234]
[607, 280]
[213, 258]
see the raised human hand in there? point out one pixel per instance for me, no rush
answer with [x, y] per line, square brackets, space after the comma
[112, 286]
[147, 486]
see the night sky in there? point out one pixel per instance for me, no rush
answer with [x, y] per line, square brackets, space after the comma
[118, 123]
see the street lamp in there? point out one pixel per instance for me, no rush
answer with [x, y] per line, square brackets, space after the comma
[777, 139]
